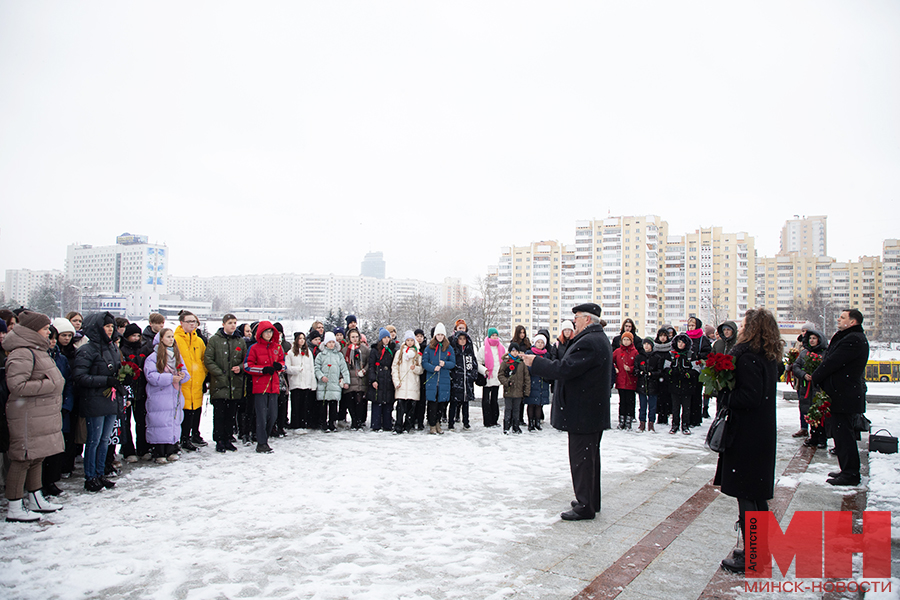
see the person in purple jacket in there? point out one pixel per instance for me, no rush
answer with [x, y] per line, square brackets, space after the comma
[165, 372]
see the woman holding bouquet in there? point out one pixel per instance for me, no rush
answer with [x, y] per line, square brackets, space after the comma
[811, 354]
[746, 468]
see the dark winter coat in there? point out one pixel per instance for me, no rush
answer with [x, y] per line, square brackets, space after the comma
[381, 361]
[95, 363]
[68, 403]
[807, 390]
[33, 410]
[515, 378]
[649, 371]
[264, 354]
[147, 337]
[723, 345]
[437, 383]
[135, 354]
[682, 372]
[841, 374]
[746, 469]
[224, 352]
[583, 377]
[462, 377]
[541, 390]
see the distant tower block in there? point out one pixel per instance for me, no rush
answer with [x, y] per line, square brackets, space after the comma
[372, 265]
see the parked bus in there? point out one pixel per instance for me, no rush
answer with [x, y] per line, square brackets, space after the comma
[883, 370]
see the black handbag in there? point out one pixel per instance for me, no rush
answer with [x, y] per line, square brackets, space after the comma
[480, 380]
[859, 422]
[886, 444]
[716, 436]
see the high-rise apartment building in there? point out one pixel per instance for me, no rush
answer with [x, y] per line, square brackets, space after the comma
[20, 284]
[805, 235]
[131, 266]
[632, 267]
[373, 265]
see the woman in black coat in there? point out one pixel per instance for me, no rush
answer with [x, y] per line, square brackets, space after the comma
[746, 468]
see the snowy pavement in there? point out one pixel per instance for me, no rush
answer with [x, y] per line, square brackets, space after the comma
[470, 514]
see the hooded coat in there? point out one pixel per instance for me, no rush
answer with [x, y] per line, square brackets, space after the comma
[807, 390]
[264, 354]
[406, 372]
[36, 386]
[648, 369]
[515, 377]
[437, 384]
[723, 345]
[193, 353]
[95, 362]
[842, 372]
[381, 361]
[625, 356]
[682, 371]
[223, 353]
[330, 363]
[462, 377]
[583, 378]
[700, 344]
[746, 469]
[165, 401]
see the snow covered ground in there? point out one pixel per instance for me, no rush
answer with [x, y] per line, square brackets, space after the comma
[342, 515]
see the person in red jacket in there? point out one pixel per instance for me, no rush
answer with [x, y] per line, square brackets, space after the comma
[265, 359]
[626, 378]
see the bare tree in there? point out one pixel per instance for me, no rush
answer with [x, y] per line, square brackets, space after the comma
[45, 300]
[818, 309]
[417, 312]
[714, 308]
[485, 308]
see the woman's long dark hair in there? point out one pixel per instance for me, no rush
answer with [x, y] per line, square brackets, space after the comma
[761, 333]
[297, 347]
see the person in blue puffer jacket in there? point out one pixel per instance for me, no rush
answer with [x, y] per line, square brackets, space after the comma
[438, 360]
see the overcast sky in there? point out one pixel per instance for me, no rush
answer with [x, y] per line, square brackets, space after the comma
[295, 137]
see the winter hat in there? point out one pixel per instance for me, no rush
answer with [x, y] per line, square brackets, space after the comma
[418, 331]
[808, 325]
[458, 322]
[279, 327]
[543, 337]
[363, 340]
[513, 346]
[297, 334]
[408, 335]
[650, 341]
[329, 337]
[350, 319]
[131, 329]
[314, 335]
[439, 328]
[338, 330]
[33, 320]
[383, 333]
[3, 326]
[709, 330]
[492, 331]
[628, 335]
[62, 325]
[566, 325]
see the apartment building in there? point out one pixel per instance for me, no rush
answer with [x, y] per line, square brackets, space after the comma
[130, 266]
[20, 284]
[532, 274]
[808, 236]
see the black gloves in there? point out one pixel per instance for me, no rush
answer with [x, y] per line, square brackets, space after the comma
[277, 366]
[268, 370]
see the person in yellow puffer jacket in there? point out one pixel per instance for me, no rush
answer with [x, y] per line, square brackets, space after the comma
[192, 350]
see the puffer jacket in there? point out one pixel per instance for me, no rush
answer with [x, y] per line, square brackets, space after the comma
[437, 384]
[515, 377]
[405, 374]
[95, 362]
[330, 363]
[648, 368]
[165, 401]
[36, 386]
[223, 353]
[301, 370]
[683, 373]
[541, 389]
[357, 360]
[462, 377]
[193, 353]
[381, 361]
[625, 356]
[264, 354]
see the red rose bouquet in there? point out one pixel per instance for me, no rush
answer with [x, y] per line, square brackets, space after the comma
[820, 409]
[810, 364]
[718, 374]
[789, 361]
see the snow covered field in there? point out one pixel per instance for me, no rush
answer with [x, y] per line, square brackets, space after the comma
[343, 515]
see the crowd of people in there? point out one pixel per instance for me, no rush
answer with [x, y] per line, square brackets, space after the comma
[86, 385]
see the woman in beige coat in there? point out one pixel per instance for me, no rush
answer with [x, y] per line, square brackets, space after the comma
[33, 412]
[405, 372]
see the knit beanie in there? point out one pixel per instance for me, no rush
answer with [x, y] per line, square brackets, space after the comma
[3, 328]
[408, 335]
[628, 335]
[439, 328]
[808, 325]
[566, 325]
[383, 333]
[338, 330]
[131, 329]
[543, 337]
[350, 319]
[492, 331]
[513, 346]
[62, 325]
[329, 337]
[650, 341]
[33, 320]
[418, 331]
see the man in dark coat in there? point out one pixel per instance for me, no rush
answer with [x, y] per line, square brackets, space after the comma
[841, 376]
[583, 376]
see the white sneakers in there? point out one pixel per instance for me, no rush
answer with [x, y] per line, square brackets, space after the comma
[35, 502]
[17, 513]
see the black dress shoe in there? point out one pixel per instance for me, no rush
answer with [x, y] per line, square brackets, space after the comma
[575, 503]
[737, 553]
[843, 479]
[571, 515]
[188, 446]
[198, 441]
[107, 483]
[734, 565]
[834, 474]
[93, 485]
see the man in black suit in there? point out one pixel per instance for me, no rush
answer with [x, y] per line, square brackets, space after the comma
[842, 376]
[583, 376]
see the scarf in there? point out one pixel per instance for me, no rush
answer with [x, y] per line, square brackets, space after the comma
[489, 356]
[660, 347]
[694, 334]
[539, 351]
[410, 353]
[352, 355]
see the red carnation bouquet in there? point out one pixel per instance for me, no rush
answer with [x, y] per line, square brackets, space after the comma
[820, 409]
[789, 361]
[718, 374]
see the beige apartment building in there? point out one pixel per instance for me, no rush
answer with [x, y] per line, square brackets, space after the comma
[632, 267]
[808, 236]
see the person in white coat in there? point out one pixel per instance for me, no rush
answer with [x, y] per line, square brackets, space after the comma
[301, 371]
[405, 372]
[490, 357]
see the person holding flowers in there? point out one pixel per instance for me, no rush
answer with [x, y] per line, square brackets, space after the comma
[746, 467]
[808, 360]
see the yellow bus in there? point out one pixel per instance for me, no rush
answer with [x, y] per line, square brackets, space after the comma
[883, 370]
